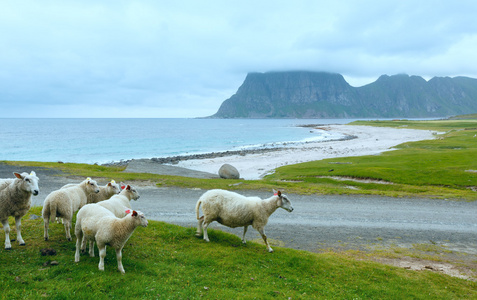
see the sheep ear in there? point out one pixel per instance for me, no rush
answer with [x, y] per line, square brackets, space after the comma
[109, 183]
[17, 175]
[134, 213]
[128, 187]
[278, 193]
[33, 173]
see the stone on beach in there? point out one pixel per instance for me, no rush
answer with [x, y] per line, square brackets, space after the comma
[227, 171]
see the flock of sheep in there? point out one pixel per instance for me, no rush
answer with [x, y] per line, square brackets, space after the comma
[105, 217]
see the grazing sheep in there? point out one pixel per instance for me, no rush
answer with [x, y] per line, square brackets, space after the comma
[234, 210]
[96, 223]
[15, 201]
[119, 203]
[65, 202]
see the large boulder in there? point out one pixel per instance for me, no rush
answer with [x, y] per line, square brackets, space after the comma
[228, 172]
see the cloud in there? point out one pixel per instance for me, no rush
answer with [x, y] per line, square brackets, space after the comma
[183, 59]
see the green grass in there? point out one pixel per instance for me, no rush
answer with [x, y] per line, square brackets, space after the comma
[442, 168]
[168, 262]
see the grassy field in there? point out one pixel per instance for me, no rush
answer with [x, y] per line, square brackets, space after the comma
[441, 168]
[168, 262]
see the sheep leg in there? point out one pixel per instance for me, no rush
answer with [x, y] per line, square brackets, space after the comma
[83, 244]
[102, 255]
[199, 226]
[79, 239]
[204, 227]
[67, 224]
[6, 228]
[244, 232]
[18, 225]
[119, 257]
[91, 248]
[264, 237]
[46, 222]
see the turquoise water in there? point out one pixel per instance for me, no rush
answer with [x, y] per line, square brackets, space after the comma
[109, 140]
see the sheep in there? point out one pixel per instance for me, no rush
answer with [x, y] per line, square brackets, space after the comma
[65, 202]
[96, 223]
[234, 210]
[119, 203]
[15, 201]
[105, 192]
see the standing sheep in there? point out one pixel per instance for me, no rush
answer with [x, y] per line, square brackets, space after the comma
[105, 192]
[15, 200]
[65, 202]
[99, 224]
[234, 210]
[119, 203]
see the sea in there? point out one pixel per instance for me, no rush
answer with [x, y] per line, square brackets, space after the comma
[109, 140]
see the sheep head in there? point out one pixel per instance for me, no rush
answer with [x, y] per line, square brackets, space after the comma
[130, 192]
[91, 185]
[29, 182]
[114, 187]
[283, 201]
[139, 216]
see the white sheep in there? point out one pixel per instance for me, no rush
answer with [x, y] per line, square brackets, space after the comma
[234, 210]
[105, 192]
[65, 202]
[96, 223]
[118, 204]
[122, 201]
[15, 201]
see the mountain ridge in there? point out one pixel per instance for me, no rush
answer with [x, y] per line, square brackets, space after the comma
[307, 94]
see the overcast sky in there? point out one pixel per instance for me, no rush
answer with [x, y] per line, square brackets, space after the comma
[184, 58]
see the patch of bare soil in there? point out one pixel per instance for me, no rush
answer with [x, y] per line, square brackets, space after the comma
[346, 178]
[416, 264]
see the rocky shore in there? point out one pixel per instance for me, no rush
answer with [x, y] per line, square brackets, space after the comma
[179, 158]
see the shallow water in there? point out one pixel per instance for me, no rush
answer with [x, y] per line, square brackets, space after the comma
[108, 140]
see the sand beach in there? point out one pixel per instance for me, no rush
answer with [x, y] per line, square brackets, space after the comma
[365, 140]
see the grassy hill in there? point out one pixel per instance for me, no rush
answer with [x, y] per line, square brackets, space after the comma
[165, 261]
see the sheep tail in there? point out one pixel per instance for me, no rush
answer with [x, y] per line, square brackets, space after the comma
[53, 210]
[197, 206]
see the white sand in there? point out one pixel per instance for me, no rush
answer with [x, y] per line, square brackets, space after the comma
[370, 141]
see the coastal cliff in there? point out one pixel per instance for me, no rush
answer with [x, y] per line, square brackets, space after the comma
[304, 94]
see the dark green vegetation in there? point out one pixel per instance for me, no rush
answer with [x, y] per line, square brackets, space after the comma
[328, 95]
[168, 262]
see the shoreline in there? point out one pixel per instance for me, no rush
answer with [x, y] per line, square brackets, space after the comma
[173, 160]
[255, 163]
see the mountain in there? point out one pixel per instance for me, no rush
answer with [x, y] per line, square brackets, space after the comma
[301, 94]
